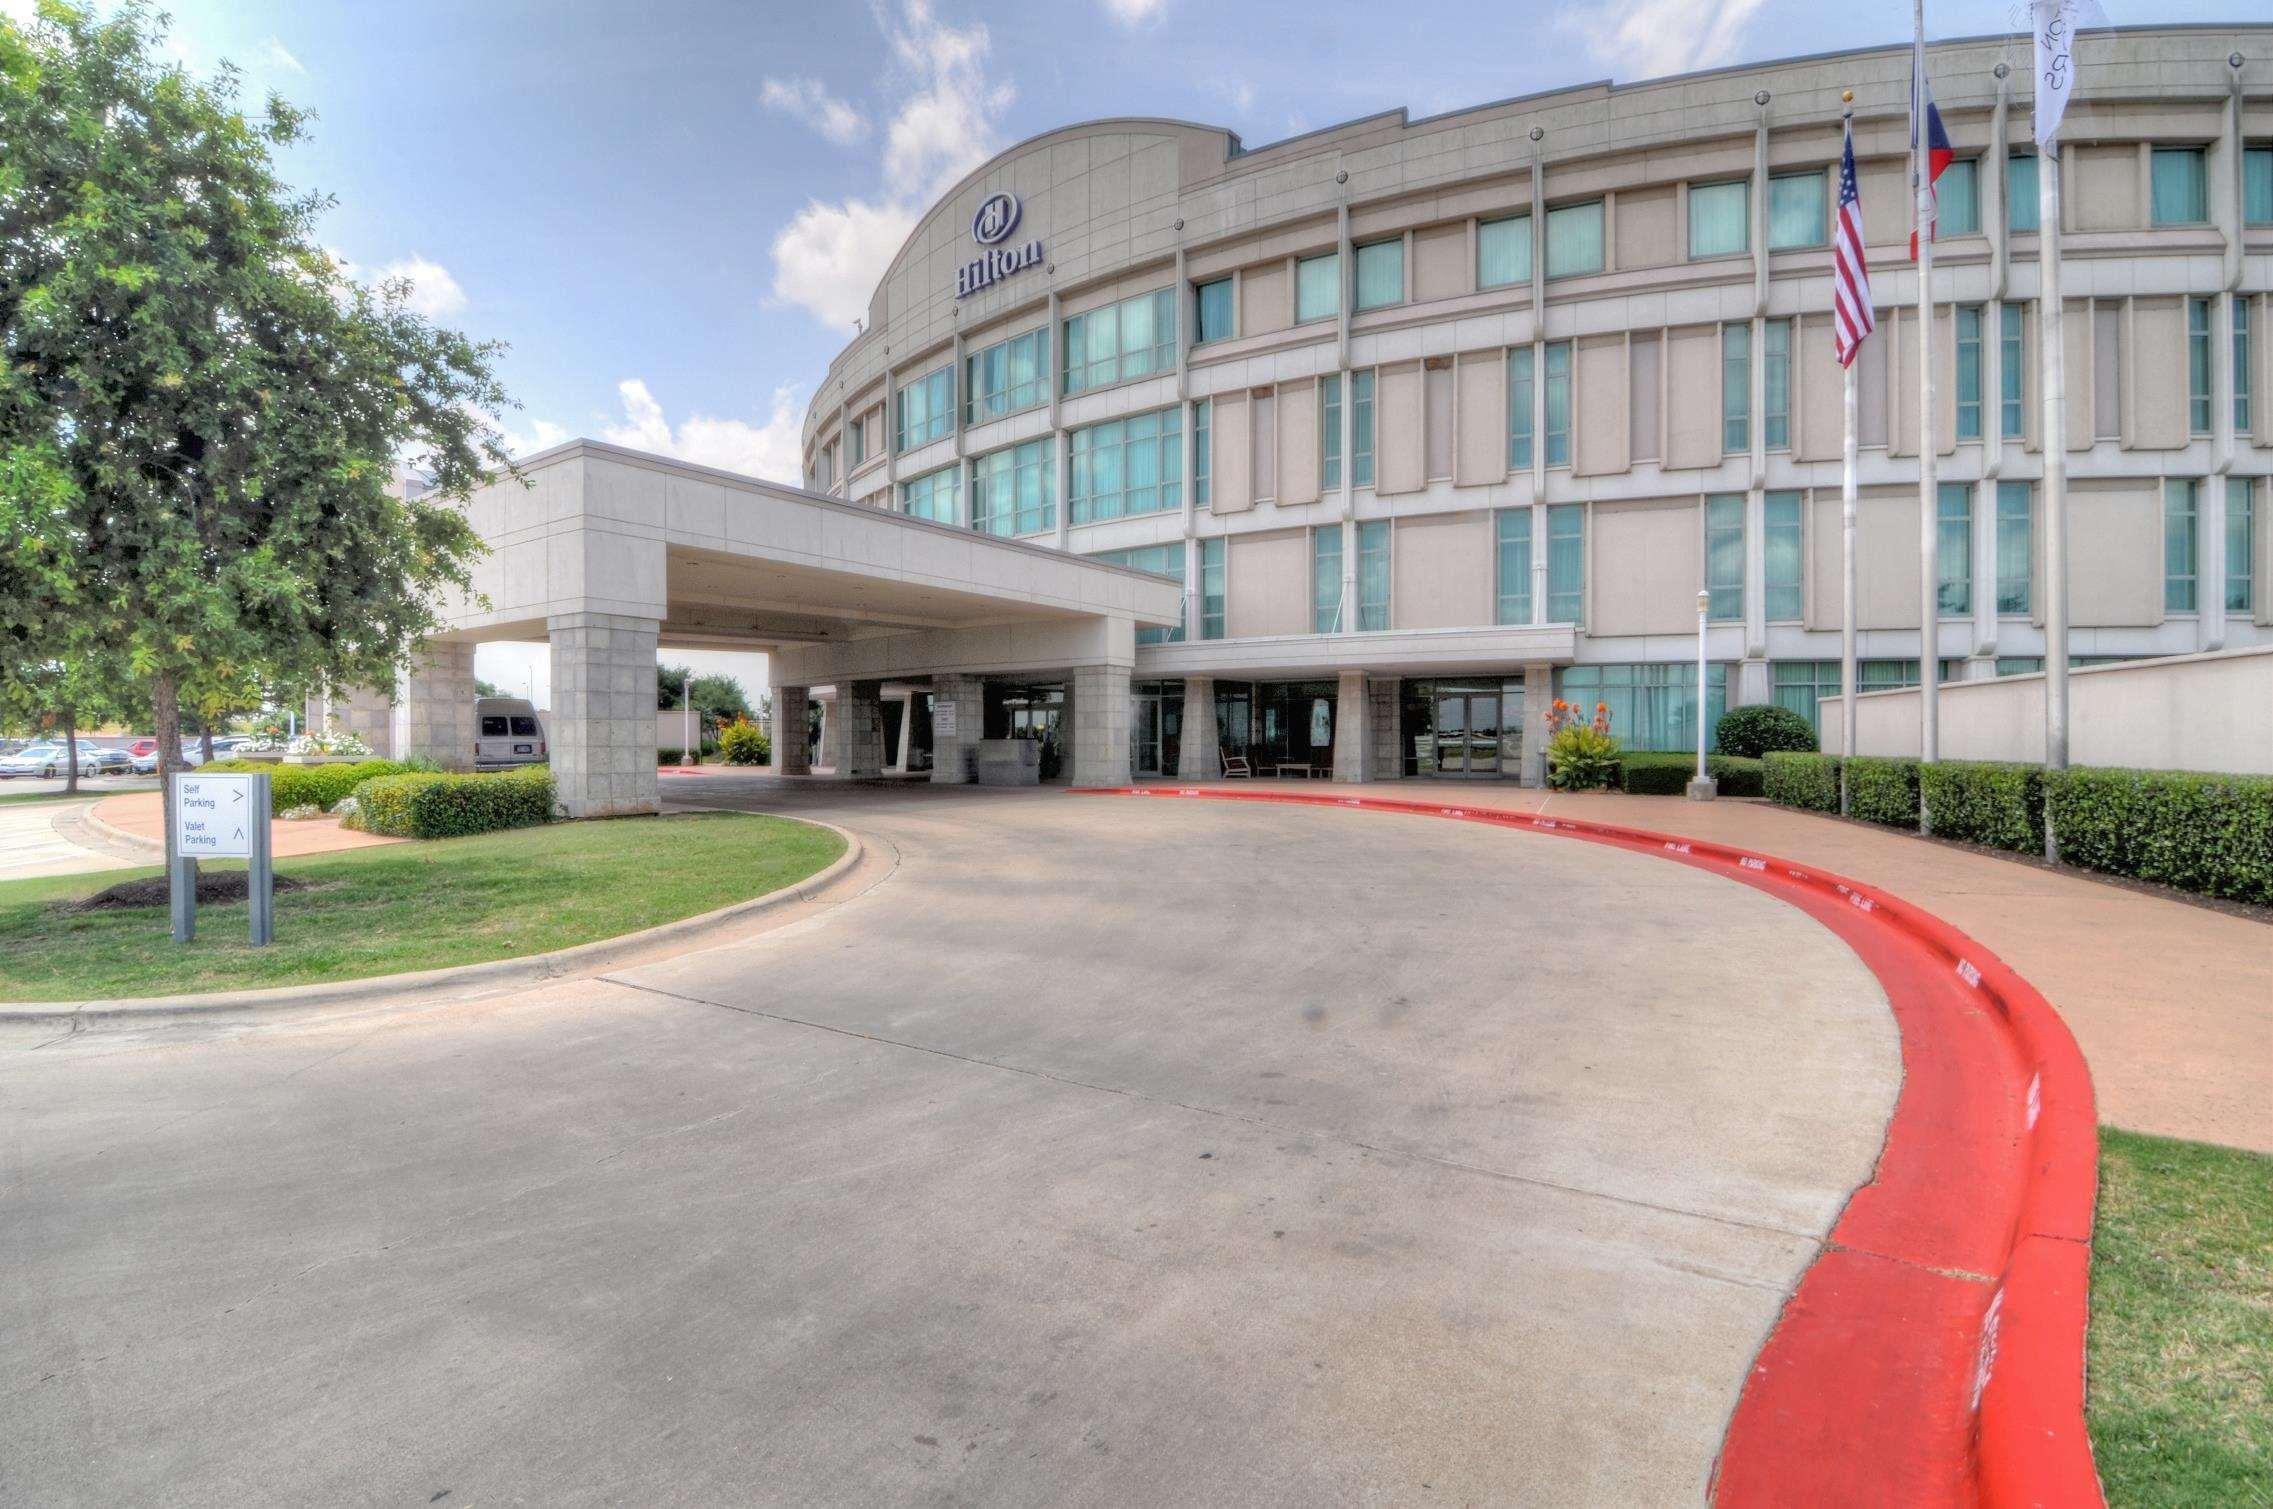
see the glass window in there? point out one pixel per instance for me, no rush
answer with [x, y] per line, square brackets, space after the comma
[1213, 311]
[1720, 218]
[2016, 546]
[1954, 518]
[1796, 210]
[1317, 287]
[1957, 199]
[1724, 555]
[1361, 428]
[1558, 396]
[1330, 431]
[856, 442]
[1512, 534]
[2241, 363]
[2012, 372]
[1785, 555]
[2257, 186]
[1381, 274]
[1736, 388]
[1131, 339]
[1162, 560]
[1373, 575]
[2241, 544]
[1007, 376]
[1519, 403]
[1574, 239]
[1011, 490]
[1326, 580]
[1203, 458]
[1211, 588]
[1126, 466]
[2019, 665]
[1776, 378]
[2020, 194]
[1801, 684]
[1566, 562]
[1884, 675]
[2198, 366]
[927, 409]
[1969, 372]
[2181, 188]
[1652, 706]
[2179, 550]
[934, 495]
[1503, 252]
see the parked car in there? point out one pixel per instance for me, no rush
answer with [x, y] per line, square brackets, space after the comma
[104, 760]
[507, 733]
[39, 761]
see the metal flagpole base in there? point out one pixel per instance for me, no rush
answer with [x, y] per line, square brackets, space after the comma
[1703, 789]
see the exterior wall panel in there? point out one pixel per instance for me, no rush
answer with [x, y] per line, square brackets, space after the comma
[1267, 580]
[2115, 557]
[1482, 396]
[1604, 430]
[1645, 565]
[1399, 430]
[1693, 397]
[1298, 443]
[1441, 568]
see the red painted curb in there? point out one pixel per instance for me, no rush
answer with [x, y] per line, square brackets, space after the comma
[1933, 1352]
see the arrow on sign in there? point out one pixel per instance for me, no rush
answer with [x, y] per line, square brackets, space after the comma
[239, 793]
[240, 833]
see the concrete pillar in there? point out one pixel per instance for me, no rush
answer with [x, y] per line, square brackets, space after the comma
[433, 716]
[1100, 713]
[1353, 729]
[856, 734]
[603, 713]
[1388, 734]
[1200, 756]
[958, 719]
[792, 711]
[1538, 697]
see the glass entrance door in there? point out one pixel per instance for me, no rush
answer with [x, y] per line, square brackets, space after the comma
[1467, 732]
[1462, 728]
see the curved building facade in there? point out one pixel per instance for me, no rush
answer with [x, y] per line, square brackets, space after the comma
[1438, 419]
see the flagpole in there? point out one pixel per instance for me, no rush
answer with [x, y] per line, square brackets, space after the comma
[2051, 343]
[1847, 552]
[1929, 522]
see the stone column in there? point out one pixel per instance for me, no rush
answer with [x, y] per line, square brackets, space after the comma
[1353, 729]
[856, 733]
[603, 713]
[1200, 756]
[434, 706]
[1538, 696]
[365, 713]
[792, 711]
[1388, 734]
[959, 701]
[1100, 715]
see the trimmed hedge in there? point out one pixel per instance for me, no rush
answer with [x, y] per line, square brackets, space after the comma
[744, 743]
[1881, 790]
[1809, 782]
[2207, 833]
[1985, 803]
[1762, 728]
[322, 786]
[437, 805]
[1647, 774]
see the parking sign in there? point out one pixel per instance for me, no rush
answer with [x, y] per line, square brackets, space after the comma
[213, 816]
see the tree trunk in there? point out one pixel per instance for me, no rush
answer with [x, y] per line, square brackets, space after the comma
[71, 750]
[166, 712]
[205, 739]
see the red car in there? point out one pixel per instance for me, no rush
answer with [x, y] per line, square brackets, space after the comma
[141, 747]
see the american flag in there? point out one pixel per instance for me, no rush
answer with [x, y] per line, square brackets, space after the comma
[1850, 269]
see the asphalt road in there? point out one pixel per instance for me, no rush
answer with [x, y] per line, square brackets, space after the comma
[1104, 1151]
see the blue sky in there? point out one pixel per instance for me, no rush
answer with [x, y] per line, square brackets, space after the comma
[673, 209]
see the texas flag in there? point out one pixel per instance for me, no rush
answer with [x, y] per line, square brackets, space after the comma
[1939, 154]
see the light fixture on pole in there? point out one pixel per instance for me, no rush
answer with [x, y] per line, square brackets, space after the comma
[1702, 787]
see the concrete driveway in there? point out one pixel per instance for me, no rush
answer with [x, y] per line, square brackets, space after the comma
[53, 838]
[1105, 1151]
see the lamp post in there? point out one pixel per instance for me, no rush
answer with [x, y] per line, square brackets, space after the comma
[1702, 788]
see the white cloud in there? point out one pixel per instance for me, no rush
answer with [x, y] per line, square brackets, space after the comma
[771, 450]
[828, 259]
[277, 57]
[434, 293]
[1647, 39]
[1135, 12]
[22, 12]
[810, 101]
[1236, 92]
[542, 435]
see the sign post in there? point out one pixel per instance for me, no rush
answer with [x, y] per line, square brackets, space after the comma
[222, 817]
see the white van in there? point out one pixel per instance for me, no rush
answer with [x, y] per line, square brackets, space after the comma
[507, 733]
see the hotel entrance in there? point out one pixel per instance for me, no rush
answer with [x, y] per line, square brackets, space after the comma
[1471, 729]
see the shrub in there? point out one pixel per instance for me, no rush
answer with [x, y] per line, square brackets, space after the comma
[322, 786]
[1881, 790]
[744, 743]
[1761, 728]
[1642, 774]
[1806, 781]
[1581, 754]
[1983, 803]
[2207, 833]
[452, 806]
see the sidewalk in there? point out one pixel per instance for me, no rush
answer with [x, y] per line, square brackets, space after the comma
[32, 844]
[2172, 1003]
[139, 817]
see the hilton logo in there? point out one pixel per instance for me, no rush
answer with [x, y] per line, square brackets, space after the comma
[997, 217]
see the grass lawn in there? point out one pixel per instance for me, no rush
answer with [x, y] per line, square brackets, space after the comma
[2181, 1350]
[409, 906]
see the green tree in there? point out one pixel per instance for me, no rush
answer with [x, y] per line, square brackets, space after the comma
[719, 698]
[200, 417]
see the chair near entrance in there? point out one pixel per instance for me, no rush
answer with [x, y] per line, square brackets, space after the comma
[1236, 767]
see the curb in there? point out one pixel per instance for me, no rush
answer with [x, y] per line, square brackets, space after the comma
[138, 841]
[582, 958]
[1933, 1352]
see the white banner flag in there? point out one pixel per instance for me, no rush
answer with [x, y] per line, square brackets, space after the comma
[2057, 22]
